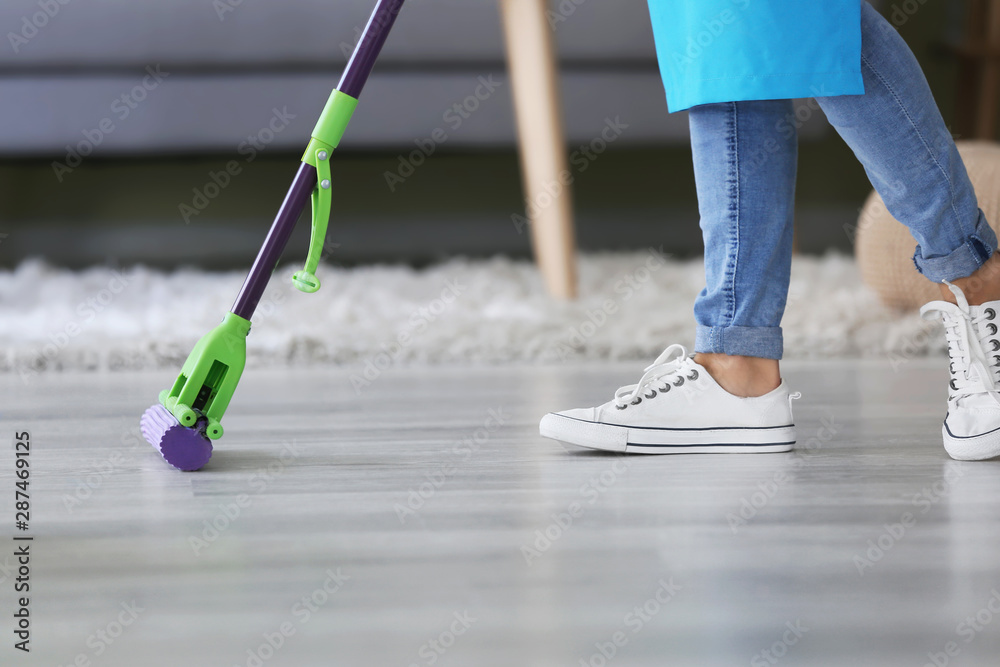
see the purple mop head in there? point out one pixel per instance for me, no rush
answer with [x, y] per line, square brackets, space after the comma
[184, 448]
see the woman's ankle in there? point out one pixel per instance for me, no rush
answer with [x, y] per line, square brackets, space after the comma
[979, 288]
[741, 376]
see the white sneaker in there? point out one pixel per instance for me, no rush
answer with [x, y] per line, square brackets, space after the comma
[677, 408]
[971, 428]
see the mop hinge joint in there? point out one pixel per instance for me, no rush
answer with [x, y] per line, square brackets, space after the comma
[322, 200]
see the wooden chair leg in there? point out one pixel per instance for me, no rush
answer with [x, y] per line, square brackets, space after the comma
[989, 100]
[969, 73]
[531, 60]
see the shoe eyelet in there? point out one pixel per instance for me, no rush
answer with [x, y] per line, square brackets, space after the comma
[651, 394]
[693, 376]
[665, 388]
[996, 345]
[952, 385]
[678, 382]
[951, 365]
[637, 401]
[621, 407]
[990, 313]
[996, 360]
[992, 328]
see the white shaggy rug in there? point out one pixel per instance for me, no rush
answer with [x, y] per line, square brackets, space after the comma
[632, 305]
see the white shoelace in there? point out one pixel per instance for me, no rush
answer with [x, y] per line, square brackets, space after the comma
[657, 377]
[966, 347]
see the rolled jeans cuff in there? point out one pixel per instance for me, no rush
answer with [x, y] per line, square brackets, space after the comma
[964, 260]
[763, 342]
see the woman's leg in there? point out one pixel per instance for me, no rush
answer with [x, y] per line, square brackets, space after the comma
[730, 397]
[745, 156]
[897, 133]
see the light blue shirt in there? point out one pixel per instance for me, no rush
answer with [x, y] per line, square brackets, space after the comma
[736, 50]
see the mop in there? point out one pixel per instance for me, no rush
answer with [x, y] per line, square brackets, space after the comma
[188, 417]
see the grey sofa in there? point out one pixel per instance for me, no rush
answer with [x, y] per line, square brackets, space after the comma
[227, 64]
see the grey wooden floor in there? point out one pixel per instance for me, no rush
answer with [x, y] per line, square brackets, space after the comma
[320, 477]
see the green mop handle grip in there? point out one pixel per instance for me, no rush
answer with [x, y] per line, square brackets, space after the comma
[331, 125]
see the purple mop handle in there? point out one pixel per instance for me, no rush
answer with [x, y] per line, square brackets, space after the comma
[351, 83]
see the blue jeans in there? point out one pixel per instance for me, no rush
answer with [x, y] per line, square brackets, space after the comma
[745, 156]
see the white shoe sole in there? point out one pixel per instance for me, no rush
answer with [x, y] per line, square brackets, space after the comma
[972, 448]
[632, 440]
